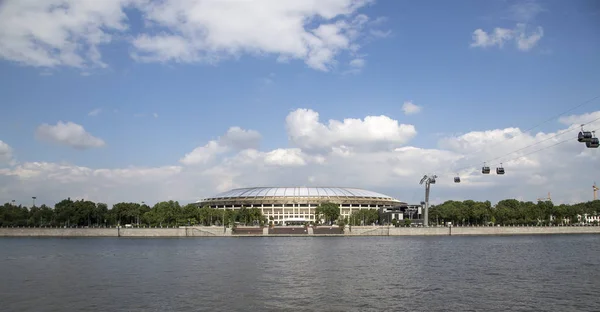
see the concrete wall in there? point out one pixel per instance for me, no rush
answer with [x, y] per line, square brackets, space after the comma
[520, 230]
[114, 232]
[497, 230]
[58, 232]
[356, 231]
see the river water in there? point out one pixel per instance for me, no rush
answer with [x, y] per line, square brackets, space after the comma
[502, 273]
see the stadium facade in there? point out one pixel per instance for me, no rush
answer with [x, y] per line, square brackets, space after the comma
[285, 205]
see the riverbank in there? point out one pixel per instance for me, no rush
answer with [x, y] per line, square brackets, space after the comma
[199, 231]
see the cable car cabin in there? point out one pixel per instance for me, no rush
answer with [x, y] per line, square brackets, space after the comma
[485, 170]
[499, 170]
[594, 143]
[584, 136]
[456, 179]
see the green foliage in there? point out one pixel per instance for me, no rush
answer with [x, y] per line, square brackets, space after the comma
[509, 212]
[328, 211]
[364, 217]
[86, 213]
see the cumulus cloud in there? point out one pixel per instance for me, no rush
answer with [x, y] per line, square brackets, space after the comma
[544, 162]
[69, 134]
[236, 138]
[524, 40]
[207, 31]
[285, 157]
[5, 152]
[71, 32]
[409, 108]
[374, 132]
[53, 33]
[576, 120]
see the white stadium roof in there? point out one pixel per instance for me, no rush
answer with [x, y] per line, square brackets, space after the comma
[262, 192]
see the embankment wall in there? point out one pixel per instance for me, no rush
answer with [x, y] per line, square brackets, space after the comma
[115, 232]
[464, 231]
[355, 231]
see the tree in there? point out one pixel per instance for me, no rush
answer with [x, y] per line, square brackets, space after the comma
[329, 211]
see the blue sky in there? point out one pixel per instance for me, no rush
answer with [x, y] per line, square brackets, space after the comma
[153, 112]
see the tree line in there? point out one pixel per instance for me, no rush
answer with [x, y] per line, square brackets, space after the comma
[170, 213]
[511, 212]
[71, 213]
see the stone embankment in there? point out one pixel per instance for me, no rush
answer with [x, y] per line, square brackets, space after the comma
[214, 231]
[116, 232]
[469, 230]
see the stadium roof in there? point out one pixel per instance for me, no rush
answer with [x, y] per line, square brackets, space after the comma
[257, 192]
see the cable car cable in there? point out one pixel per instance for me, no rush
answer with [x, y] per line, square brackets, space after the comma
[544, 140]
[572, 128]
[543, 148]
[541, 123]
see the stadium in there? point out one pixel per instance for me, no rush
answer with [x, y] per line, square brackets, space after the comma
[294, 205]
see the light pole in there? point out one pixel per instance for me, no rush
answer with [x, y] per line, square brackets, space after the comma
[428, 181]
[33, 197]
[138, 217]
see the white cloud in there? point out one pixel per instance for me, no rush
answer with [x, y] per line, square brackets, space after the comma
[576, 120]
[285, 157]
[357, 63]
[239, 138]
[208, 31]
[69, 134]
[374, 132]
[409, 108]
[5, 152]
[525, 41]
[566, 170]
[203, 154]
[71, 33]
[95, 112]
[59, 32]
[236, 138]
[155, 115]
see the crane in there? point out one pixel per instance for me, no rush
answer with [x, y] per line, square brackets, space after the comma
[595, 188]
[545, 199]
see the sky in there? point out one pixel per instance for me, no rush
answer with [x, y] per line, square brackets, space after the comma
[142, 100]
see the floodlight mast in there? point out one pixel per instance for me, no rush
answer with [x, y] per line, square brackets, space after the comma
[428, 181]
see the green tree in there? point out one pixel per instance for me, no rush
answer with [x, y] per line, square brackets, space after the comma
[329, 211]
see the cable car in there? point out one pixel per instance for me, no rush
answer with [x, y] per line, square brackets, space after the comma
[485, 169]
[584, 136]
[593, 143]
[500, 170]
[457, 179]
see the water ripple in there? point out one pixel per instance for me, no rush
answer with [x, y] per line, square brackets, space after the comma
[508, 273]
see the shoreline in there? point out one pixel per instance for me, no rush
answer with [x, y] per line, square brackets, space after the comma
[356, 231]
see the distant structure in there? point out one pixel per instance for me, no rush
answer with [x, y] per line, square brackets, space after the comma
[595, 188]
[295, 205]
[402, 212]
[546, 199]
[428, 180]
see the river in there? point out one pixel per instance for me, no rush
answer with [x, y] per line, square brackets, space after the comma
[482, 273]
